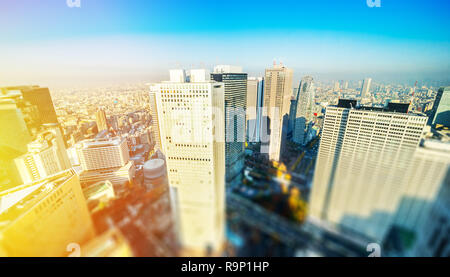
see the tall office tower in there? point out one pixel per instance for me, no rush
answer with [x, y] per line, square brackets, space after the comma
[277, 95]
[14, 138]
[292, 114]
[39, 97]
[191, 118]
[103, 153]
[365, 89]
[156, 135]
[440, 113]
[47, 220]
[46, 156]
[362, 166]
[100, 118]
[254, 99]
[235, 83]
[304, 112]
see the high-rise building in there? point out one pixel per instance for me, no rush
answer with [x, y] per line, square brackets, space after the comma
[440, 113]
[362, 169]
[255, 88]
[156, 135]
[46, 156]
[277, 95]
[235, 84]
[103, 153]
[191, 118]
[100, 118]
[40, 98]
[14, 139]
[304, 112]
[365, 89]
[44, 222]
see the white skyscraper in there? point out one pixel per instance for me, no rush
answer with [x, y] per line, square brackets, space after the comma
[191, 118]
[363, 170]
[304, 111]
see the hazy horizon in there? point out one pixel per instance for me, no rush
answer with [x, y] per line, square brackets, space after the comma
[110, 42]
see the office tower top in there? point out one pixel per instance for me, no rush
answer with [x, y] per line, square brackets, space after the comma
[227, 69]
[192, 135]
[235, 84]
[277, 95]
[102, 153]
[362, 167]
[199, 75]
[39, 97]
[440, 114]
[178, 75]
[100, 118]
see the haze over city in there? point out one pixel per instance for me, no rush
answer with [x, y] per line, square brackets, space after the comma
[134, 41]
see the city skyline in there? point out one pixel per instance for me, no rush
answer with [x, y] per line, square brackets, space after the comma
[171, 128]
[136, 42]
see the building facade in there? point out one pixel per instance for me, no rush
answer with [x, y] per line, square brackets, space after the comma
[277, 95]
[255, 88]
[44, 222]
[304, 110]
[363, 166]
[235, 84]
[191, 118]
[441, 109]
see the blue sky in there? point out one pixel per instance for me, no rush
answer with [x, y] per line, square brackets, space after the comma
[46, 41]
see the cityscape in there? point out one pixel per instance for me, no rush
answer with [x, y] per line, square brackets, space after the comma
[221, 157]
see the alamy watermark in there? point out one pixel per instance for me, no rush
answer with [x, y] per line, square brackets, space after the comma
[73, 3]
[374, 249]
[374, 3]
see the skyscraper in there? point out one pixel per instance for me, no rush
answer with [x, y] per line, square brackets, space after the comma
[156, 135]
[362, 167]
[191, 118]
[304, 111]
[100, 118]
[235, 84]
[254, 104]
[365, 89]
[441, 109]
[14, 138]
[277, 95]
